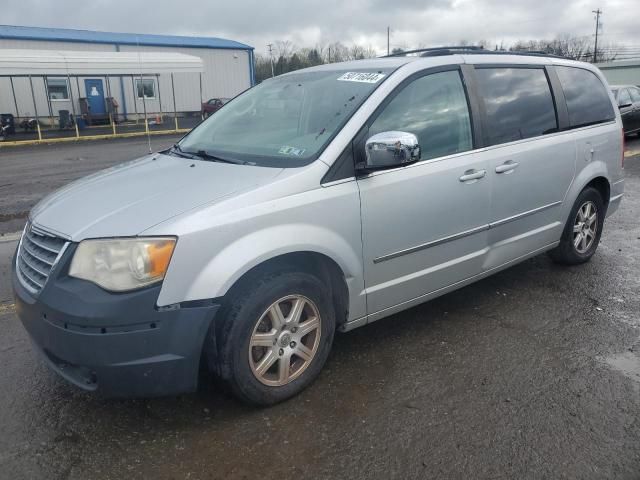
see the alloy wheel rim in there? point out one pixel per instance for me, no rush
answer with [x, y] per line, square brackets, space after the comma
[585, 227]
[285, 340]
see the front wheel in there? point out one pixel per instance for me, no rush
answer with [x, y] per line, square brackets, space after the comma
[583, 229]
[274, 336]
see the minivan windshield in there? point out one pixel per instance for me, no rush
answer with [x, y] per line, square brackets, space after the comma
[285, 121]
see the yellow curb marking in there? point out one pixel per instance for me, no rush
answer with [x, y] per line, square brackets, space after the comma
[7, 307]
[631, 153]
[91, 137]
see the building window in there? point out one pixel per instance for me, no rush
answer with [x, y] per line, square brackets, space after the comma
[146, 86]
[58, 88]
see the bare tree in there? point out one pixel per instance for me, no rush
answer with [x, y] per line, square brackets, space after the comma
[369, 52]
[577, 48]
[290, 58]
[284, 48]
[336, 52]
[359, 52]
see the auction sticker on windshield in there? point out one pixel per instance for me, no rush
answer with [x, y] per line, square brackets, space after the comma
[365, 77]
[287, 150]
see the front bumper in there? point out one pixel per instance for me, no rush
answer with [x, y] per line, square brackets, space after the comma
[120, 345]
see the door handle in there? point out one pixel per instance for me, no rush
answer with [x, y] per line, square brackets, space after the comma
[470, 176]
[506, 167]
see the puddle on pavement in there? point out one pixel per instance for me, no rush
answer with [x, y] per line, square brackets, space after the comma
[627, 363]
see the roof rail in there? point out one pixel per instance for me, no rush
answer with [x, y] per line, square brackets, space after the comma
[533, 53]
[473, 50]
[427, 51]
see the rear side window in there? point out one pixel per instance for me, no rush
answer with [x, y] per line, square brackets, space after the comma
[518, 103]
[587, 99]
[635, 94]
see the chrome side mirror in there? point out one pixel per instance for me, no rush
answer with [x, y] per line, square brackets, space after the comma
[389, 149]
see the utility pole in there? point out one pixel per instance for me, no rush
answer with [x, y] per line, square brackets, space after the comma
[388, 36]
[270, 45]
[598, 12]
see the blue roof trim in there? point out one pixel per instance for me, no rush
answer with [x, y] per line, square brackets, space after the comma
[88, 36]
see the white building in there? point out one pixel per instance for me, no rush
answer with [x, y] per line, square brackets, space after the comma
[623, 72]
[228, 70]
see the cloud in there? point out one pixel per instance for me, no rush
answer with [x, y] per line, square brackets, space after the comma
[308, 22]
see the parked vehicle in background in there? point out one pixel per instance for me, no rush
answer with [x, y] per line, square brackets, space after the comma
[213, 105]
[320, 200]
[628, 98]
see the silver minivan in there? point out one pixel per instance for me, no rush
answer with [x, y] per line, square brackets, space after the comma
[319, 200]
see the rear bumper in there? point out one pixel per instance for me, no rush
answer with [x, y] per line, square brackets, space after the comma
[120, 345]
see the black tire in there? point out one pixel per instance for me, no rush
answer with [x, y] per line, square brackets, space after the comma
[566, 252]
[227, 348]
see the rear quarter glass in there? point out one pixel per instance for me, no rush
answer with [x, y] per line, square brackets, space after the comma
[587, 99]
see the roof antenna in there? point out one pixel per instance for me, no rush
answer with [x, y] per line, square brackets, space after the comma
[144, 97]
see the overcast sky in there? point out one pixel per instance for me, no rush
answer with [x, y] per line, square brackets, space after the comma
[308, 22]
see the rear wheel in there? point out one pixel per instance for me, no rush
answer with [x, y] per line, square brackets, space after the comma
[274, 337]
[583, 229]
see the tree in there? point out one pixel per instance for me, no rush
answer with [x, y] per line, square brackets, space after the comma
[281, 65]
[284, 48]
[290, 58]
[295, 63]
[262, 67]
[577, 48]
[313, 57]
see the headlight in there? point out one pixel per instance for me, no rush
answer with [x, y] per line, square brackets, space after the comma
[122, 264]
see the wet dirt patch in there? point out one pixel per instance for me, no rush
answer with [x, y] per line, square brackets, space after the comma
[5, 217]
[626, 363]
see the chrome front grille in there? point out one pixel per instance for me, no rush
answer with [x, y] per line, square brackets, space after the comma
[38, 253]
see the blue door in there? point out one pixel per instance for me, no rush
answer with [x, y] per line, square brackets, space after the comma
[95, 96]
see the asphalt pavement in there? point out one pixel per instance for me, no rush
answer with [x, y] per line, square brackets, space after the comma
[531, 373]
[28, 173]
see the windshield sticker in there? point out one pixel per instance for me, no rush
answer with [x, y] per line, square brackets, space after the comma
[364, 77]
[287, 150]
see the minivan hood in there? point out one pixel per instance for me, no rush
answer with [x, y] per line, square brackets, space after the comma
[131, 197]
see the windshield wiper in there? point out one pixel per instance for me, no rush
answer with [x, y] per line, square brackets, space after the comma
[203, 154]
[177, 150]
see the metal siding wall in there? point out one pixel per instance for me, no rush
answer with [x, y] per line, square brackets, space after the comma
[6, 97]
[23, 96]
[41, 45]
[153, 105]
[25, 101]
[23, 93]
[622, 76]
[226, 74]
